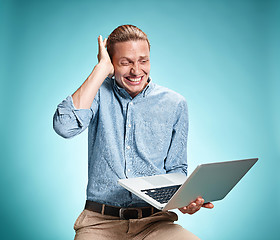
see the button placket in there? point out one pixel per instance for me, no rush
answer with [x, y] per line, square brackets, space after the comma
[128, 139]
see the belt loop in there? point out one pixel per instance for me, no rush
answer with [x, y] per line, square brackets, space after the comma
[103, 209]
[152, 211]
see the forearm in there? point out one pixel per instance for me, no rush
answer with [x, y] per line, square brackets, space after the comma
[68, 121]
[176, 160]
[85, 95]
[179, 169]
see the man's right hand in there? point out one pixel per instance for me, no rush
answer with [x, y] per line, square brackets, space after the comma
[85, 95]
[103, 56]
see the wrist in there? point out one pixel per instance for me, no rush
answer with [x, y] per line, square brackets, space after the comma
[106, 67]
[105, 64]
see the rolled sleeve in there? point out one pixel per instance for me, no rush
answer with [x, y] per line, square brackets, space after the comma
[176, 160]
[69, 121]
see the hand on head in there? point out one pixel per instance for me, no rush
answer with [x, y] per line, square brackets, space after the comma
[103, 56]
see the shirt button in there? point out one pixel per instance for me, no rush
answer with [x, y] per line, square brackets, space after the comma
[128, 170]
[131, 103]
[128, 147]
[129, 125]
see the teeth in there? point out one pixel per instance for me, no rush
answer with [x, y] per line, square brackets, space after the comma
[134, 79]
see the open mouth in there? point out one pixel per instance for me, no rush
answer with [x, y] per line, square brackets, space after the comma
[134, 79]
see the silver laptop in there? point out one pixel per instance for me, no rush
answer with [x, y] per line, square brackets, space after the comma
[212, 181]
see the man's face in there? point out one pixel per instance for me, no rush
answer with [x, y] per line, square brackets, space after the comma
[131, 61]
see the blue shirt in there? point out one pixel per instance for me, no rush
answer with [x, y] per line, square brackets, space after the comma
[127, 137]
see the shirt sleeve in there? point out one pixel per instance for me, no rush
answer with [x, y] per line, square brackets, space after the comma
[176, 160]
[69, 121]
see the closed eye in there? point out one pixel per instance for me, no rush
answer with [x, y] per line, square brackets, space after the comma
[143, 61]
[125, 63]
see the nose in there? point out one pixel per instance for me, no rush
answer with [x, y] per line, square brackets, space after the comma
[135, 69]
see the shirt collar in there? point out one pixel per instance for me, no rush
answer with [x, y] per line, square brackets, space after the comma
[125, 94]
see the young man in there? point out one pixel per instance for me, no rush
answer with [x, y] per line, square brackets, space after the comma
[135, 128]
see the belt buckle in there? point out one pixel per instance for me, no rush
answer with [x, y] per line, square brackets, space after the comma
[124, 210]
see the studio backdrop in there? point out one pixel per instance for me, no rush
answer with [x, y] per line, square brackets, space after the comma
[222, 56]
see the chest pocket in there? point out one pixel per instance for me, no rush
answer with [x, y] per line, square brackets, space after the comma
[152, 138]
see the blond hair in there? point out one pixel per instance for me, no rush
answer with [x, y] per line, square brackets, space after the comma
[125, 33]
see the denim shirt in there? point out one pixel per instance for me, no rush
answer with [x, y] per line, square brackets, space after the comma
[127, 137]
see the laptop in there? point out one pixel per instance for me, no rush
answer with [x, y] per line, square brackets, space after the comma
[212, 181]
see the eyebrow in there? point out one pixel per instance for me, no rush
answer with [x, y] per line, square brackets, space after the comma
[127, 58]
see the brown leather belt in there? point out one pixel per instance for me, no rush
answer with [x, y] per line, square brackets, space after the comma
[122, 213]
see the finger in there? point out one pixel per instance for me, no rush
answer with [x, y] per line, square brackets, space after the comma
[193, 208]
[100, 43]
[199, 201]
[186, 210]
[100, 39]
[190, 209]
[208, 205]
[183, 209]
[105, 42]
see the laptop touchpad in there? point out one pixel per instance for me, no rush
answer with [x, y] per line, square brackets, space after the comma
[158, 181]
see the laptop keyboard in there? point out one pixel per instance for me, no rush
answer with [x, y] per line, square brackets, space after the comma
[163, 194]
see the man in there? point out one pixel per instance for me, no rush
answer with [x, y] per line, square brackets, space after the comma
[135, 128]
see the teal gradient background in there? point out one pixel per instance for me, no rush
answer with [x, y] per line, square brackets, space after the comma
[223, 56]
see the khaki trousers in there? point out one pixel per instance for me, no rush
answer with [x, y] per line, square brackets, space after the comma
[160, 226]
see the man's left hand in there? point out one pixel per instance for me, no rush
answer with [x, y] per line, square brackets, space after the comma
[194, 206]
